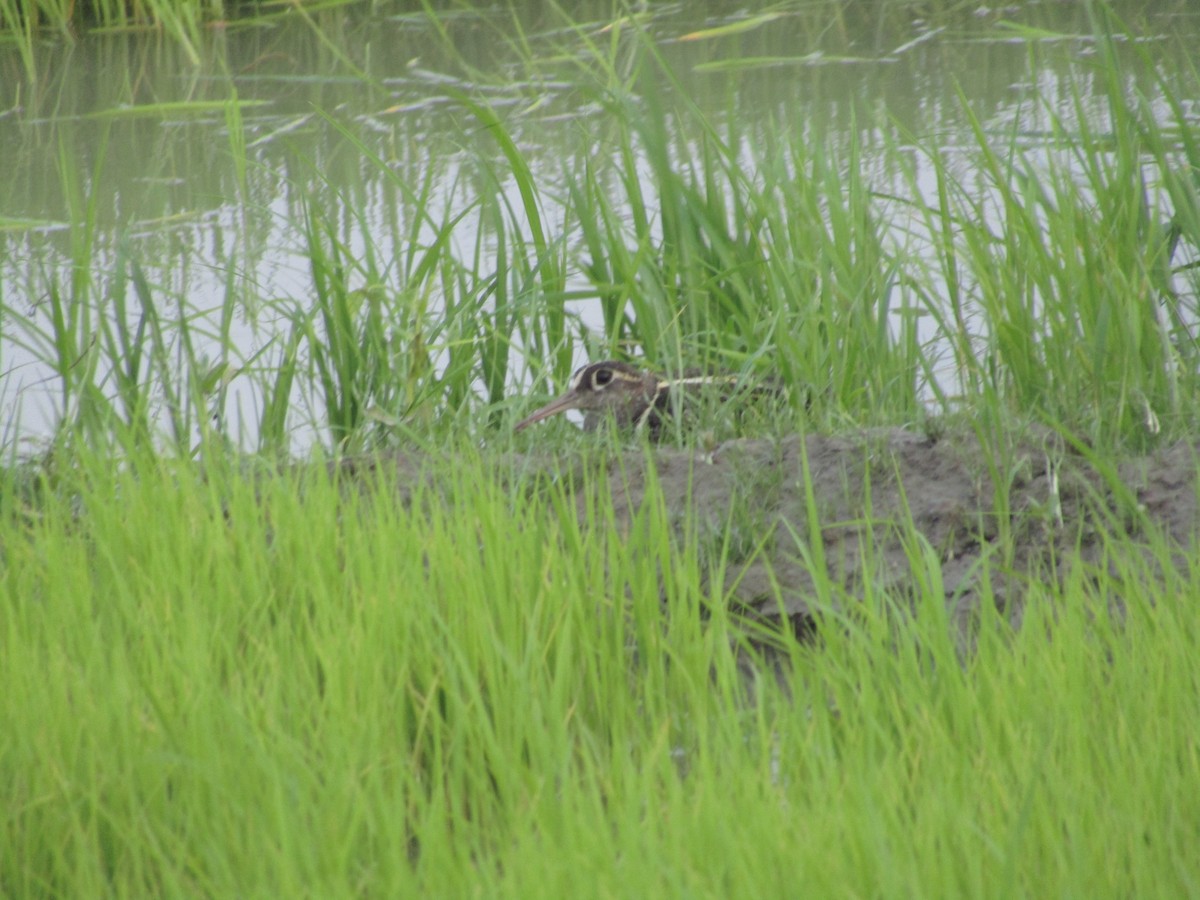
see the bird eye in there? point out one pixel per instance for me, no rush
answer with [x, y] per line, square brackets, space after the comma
[602, 377]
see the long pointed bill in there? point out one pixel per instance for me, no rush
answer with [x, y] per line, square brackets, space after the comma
[562, 404]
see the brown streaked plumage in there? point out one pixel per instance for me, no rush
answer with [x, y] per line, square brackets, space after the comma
[635, 399]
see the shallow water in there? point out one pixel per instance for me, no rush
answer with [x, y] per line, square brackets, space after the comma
[203, 172]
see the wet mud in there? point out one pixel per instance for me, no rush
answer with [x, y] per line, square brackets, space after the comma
[854, 512]
[810, 525]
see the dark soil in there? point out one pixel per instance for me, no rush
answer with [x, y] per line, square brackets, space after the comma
[1034, 508]
[1031, 508]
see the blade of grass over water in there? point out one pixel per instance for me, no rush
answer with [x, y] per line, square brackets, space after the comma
[126, 347]
[541, 264]
[1074, 307]
[171, 110]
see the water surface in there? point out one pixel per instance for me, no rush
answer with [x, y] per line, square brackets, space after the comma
[203, 173]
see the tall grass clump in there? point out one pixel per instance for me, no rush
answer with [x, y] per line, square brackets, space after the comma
[182, 22]
[1059, 282]
[405, 346]
[290, 659]
[462, 680]
[774, 268]
[125, 360]
[187, 24]
[754, 252]
[136, 368]
[1070, 279]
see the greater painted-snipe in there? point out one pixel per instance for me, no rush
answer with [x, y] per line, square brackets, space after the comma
[634, 398]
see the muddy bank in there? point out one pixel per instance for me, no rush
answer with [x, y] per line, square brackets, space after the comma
[1033, 507]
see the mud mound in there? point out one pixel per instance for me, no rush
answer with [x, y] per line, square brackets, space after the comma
[1027, 507]
[856, 510]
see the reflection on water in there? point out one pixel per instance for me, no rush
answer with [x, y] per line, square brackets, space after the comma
[204, 173]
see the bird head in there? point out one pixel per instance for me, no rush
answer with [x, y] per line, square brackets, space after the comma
[601, 388]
